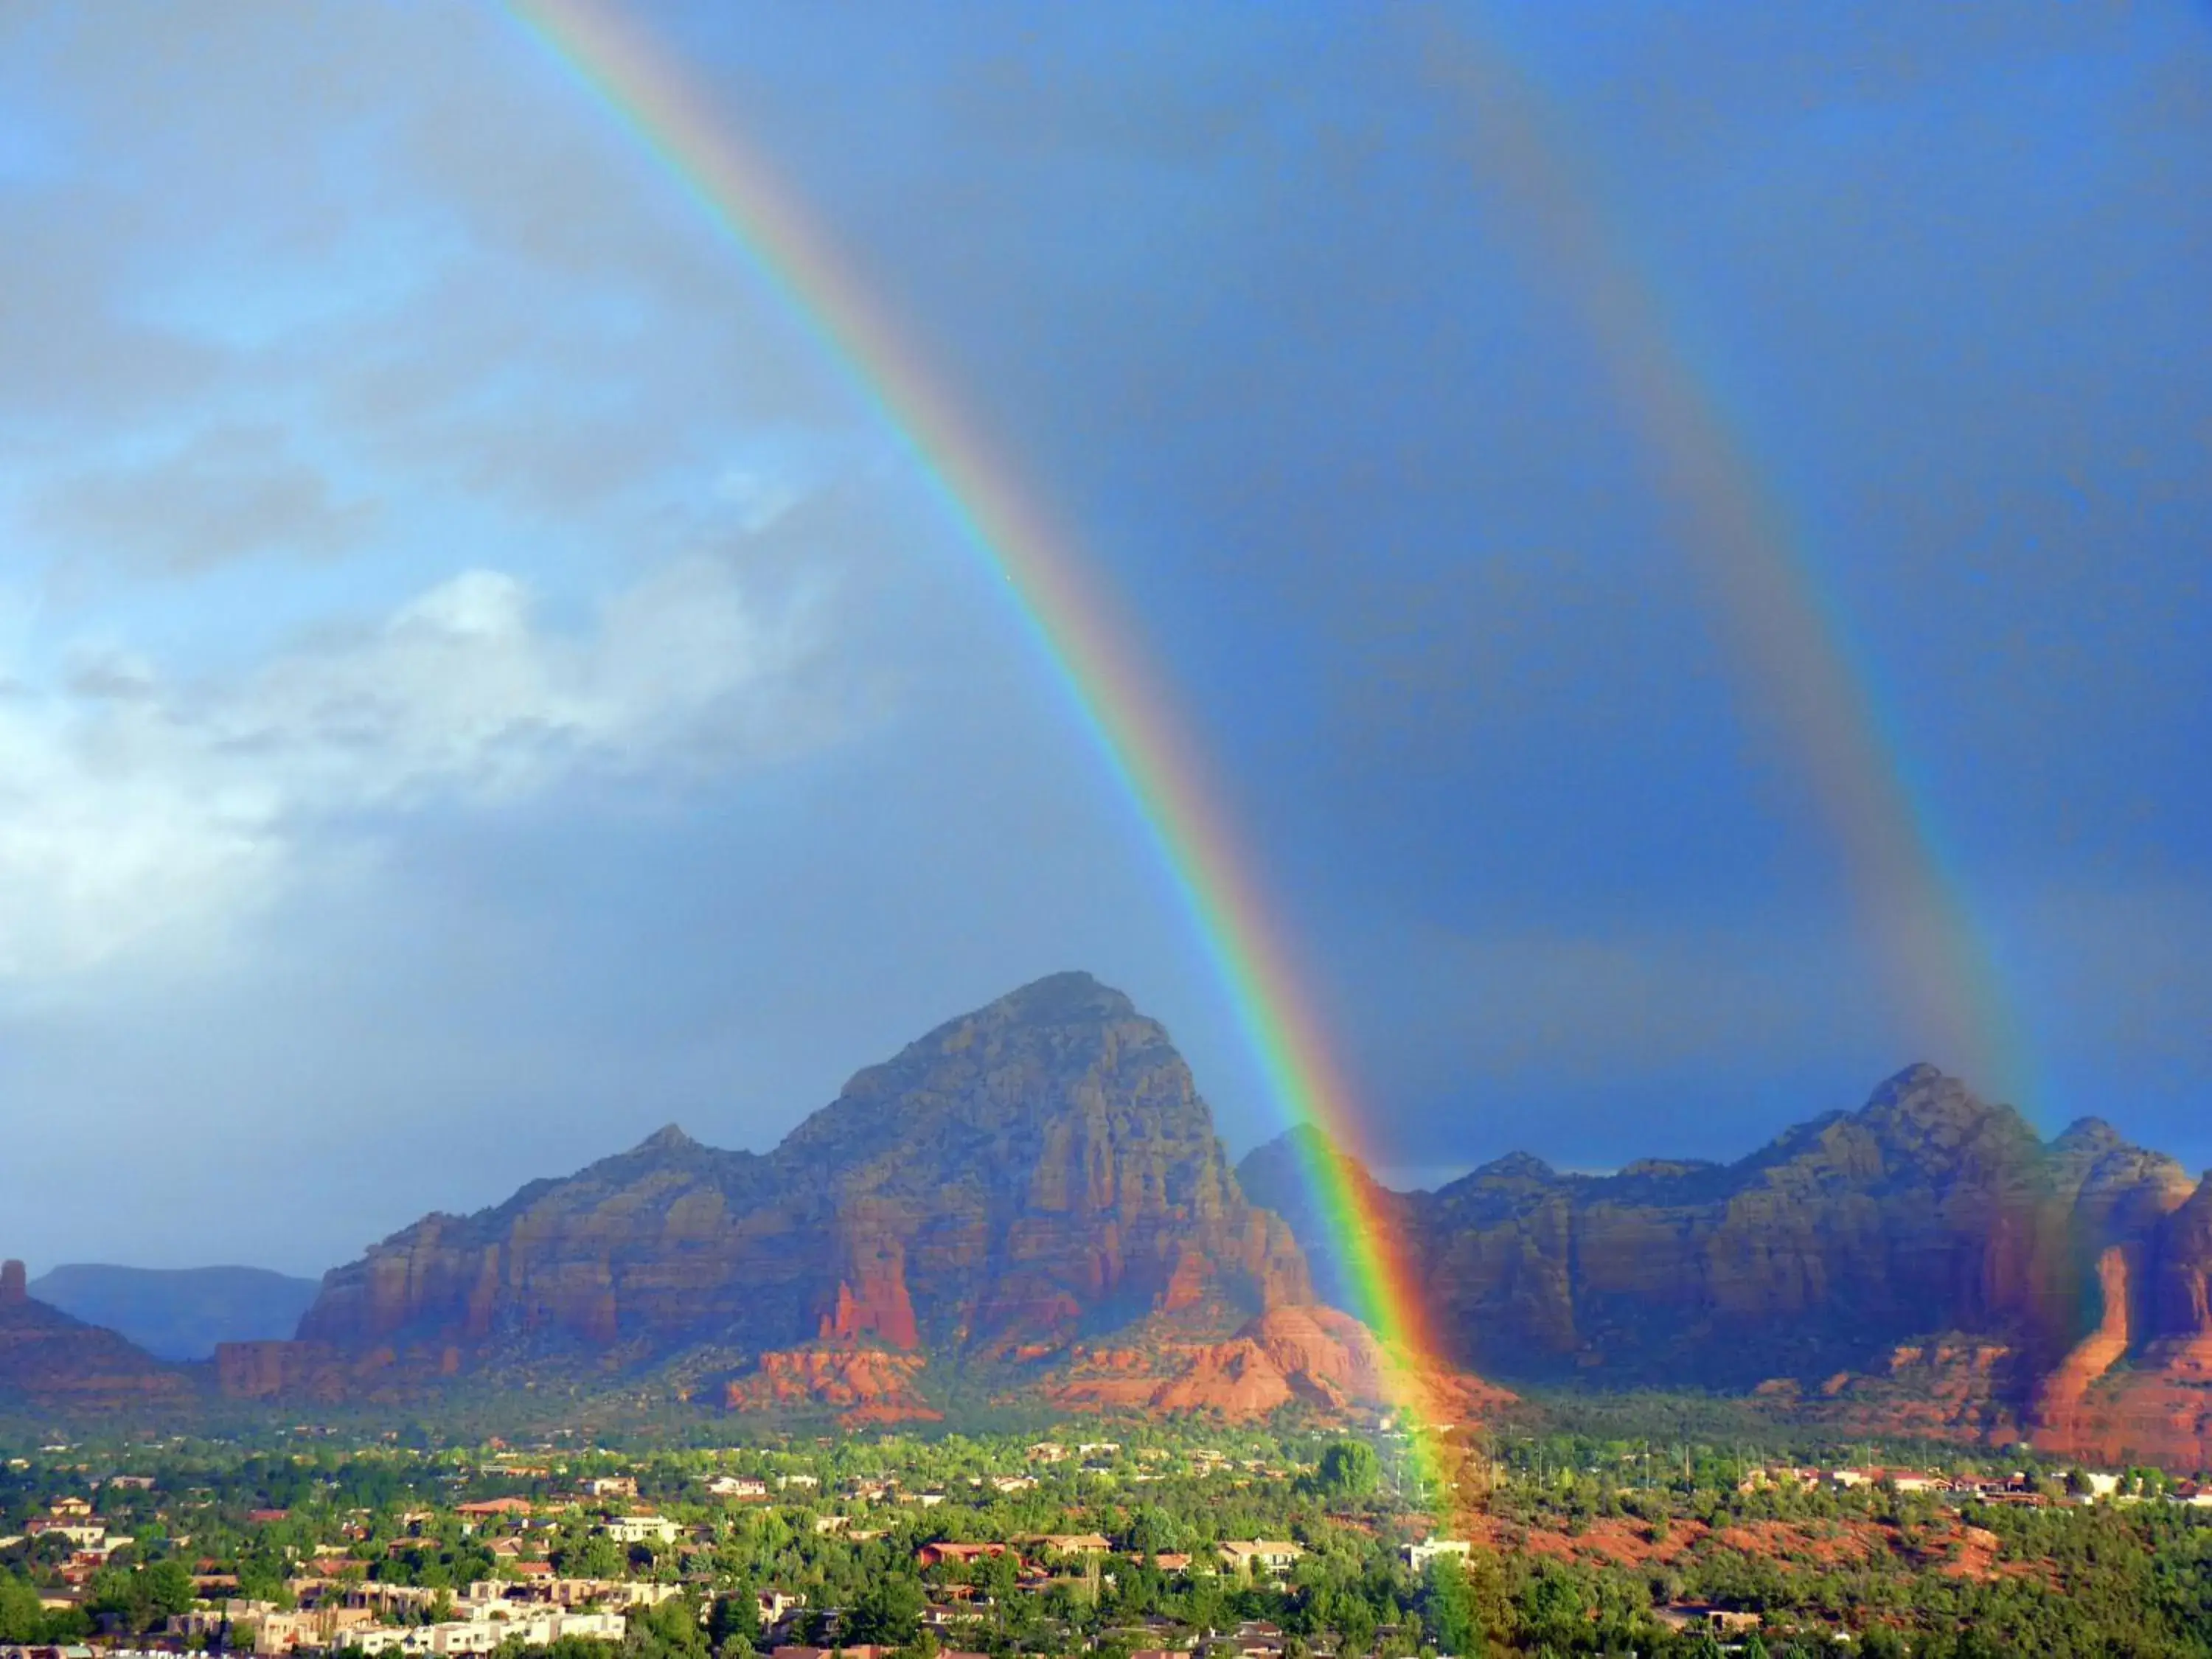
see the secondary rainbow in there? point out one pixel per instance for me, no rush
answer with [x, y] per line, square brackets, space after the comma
[1754, 557]
[1071, 623]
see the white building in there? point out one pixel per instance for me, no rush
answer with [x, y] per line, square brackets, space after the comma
[641, 1530]
[1418, 1556]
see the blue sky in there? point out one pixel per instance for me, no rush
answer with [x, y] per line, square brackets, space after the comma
[477, 685]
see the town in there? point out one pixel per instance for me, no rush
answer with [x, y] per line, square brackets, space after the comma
[1241, 1545]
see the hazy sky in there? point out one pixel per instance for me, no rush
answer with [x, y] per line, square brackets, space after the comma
[476, 684]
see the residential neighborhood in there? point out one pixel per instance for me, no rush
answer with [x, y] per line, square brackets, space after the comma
[1247, 1547]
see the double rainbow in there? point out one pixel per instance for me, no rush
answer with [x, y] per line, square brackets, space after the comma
[1790, 633]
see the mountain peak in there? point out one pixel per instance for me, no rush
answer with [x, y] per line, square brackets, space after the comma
[1924, 1111]
[1071, 995]
[1515, 1166]
[668, 1137]
[2088, 1133]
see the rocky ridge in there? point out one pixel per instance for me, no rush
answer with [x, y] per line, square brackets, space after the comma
[1040, 1170]
[1926, 1264]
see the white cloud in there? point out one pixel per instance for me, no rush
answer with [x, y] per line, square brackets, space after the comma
[145, 816]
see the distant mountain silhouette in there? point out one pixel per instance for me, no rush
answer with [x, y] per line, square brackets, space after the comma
[179, 1313]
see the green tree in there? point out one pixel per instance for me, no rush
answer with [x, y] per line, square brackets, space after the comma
[1153, 1531]
[22, 1617]
[168, 1587]
[1349, 1468]
[670, 1631]
[733, 1623]
[888, 1610]
[1448, 1610]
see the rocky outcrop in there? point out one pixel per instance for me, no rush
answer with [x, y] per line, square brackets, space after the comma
[1315, 1355]
[1034, 1172]
[55, 1364]
[863, 1386]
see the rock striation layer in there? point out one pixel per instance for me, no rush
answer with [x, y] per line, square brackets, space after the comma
[1036, 1171]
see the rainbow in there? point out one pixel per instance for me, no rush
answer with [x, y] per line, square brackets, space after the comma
[1764, 585]
[1107, 687]
[1758, 569]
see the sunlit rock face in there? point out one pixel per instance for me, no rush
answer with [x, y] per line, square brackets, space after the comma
[2156, 1316]
[1036, 1169]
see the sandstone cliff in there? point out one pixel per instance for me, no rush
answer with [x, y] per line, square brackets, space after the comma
[1038, 1170]
[2138, 1387]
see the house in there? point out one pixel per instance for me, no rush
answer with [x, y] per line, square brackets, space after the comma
[1260, 1555]
[1074, 1543]
[775, 1605]
[1418, 1556]
[738, 1486]
[612, 1486]
[1698, 1615]
[1048, 1451]
[317, 1630]
[486, 1508]
[1013, 1482]
[82, 1533]
[807, 1480]
[641, 1530]
[1099, 1449]
[485, 1635]
[942, 1554]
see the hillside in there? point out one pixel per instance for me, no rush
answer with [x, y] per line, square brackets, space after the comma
[179, 1313]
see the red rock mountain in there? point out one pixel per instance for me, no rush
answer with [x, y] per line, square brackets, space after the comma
[1038, 1171]
[54, 1363]
[1926, 1263]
